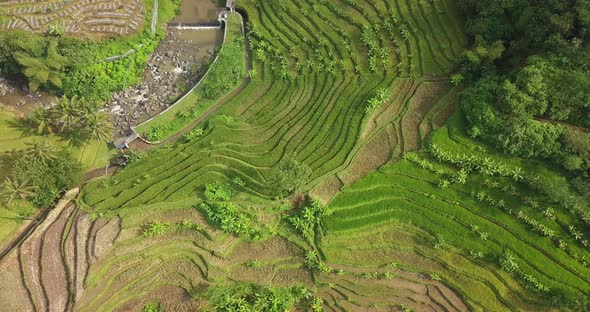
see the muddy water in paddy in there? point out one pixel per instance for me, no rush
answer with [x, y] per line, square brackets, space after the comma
[197, 11]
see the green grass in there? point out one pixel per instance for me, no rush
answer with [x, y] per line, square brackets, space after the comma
[92, 154]
[230, 65]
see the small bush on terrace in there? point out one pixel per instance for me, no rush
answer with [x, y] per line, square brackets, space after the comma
[226, 216]
[309, 219]
[289, 175]
[152, 307]
[218, 191]
[379, 98]
[155, 228]
[193, 134]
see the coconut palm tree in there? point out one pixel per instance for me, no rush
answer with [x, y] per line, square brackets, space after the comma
[68, 112]
[456, 79]
[42, 120]
[517, 174]
[461, 177]
[13, 189]
[40, 150]
[98, 125]
[43, 70]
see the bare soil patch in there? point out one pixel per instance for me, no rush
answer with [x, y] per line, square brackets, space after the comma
[105, 237]
[53, 274]
[13, 294]
[49, 268]
[425, 98]
[326, 190]
[371, 156]
[82, 225]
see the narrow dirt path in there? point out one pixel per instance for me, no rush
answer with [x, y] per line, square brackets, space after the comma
[155, 17]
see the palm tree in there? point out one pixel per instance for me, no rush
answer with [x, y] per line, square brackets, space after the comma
[41, 119]
[13, 189]
[68, 111]
[517, 174]
[98, 125]
[40, 150]
[457, 79]
[45, 69]
[461, 177]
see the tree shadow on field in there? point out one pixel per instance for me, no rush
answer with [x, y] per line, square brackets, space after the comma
[21, 126]
[7, 159]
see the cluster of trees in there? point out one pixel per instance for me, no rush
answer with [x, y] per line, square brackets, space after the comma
[225, 214]
[43, 69]
[252, 297]
[40, 174]
[309, 220]
[72, 66]
[527, 88]
[74, 118]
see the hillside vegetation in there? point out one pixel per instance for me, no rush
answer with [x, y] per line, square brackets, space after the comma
[488, 225]
[344, 172]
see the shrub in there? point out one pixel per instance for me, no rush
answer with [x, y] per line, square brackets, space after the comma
[193, 134]
[152, 307]
[218, 191]
[155, 228]
[309, 219]
[289, 175]
[155, 134]
[226, 216]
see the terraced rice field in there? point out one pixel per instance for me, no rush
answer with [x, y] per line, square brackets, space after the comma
[401, 215]
[71, 262]
[74, 17]
[315, 66]
[47, 271]
[308, 101]
[307, 98]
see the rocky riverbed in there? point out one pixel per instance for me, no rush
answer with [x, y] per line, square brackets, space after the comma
[175, 66]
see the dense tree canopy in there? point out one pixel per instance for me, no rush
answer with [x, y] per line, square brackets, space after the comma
[527, 83]
[46, 172]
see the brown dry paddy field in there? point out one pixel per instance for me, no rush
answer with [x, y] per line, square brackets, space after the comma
[345, 88]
